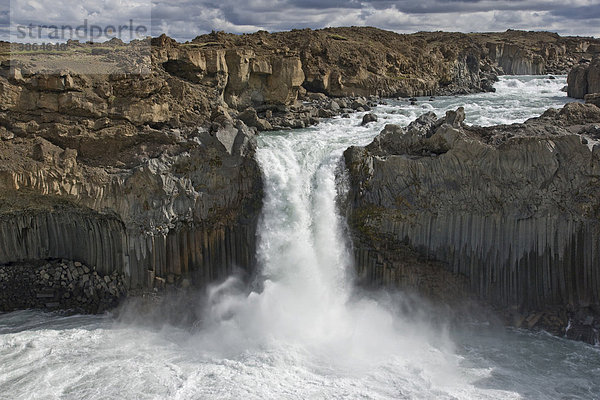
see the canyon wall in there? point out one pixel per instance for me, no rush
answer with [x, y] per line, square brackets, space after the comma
[122, 173]
[347, 62]
[510, 211]
[150, 173]
[536, 53]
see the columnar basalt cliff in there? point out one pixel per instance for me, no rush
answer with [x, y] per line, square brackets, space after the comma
[584, 79]
[367, 61]
[124, 173]
[536, 53]
[186, 208]
[513, 211]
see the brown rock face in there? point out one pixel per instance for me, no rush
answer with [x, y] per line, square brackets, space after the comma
[516, 60]
[122, 172]
[511, 210]
[355, 61]
[584, 79]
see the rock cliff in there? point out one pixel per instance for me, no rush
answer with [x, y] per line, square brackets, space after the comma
[264, 76]
[511, 212]
[121, 173]
[368, 61]
[536, 53]
[584, 79]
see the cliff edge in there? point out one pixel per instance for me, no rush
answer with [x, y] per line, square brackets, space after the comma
[511, 212]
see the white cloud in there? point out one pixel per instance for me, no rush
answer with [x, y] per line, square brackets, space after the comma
[185, 19]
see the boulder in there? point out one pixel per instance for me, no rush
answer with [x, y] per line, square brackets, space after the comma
[317, 96]
[455, 118]
[334, 106]
[250, 118]
[593, 98]
[368, 118]
[360, 103]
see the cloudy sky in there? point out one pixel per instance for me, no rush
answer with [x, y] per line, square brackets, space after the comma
[185, 19]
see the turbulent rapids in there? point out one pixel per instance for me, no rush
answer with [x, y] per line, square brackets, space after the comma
[302, 330]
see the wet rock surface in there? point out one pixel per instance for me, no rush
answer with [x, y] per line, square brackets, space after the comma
[511, 211]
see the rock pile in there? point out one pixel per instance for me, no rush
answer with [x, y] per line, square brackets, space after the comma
[59, 284]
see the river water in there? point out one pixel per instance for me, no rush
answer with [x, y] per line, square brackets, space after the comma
[303, 332]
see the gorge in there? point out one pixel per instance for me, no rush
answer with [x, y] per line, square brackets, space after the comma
[162, 183]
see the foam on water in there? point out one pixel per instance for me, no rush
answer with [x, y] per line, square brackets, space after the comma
[303, 332]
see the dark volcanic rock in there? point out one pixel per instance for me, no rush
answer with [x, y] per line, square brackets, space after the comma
[593, 98]
[512, 211]
[368, 118]
[59, 284]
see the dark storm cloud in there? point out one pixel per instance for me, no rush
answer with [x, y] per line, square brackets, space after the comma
[402, 16]
[185, 19]
[579, 13]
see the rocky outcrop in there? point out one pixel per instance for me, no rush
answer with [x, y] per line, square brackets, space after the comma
[182, 84]
[187, 207]
[149, 173]
[515, 60]
[344, 62]
[584, 79]
[126, 174]
[536, 53]
[242, 77]
[593, 98]
[511, 210]
[349, 62]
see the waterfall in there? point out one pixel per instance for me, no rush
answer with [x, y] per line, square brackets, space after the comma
[301, 330]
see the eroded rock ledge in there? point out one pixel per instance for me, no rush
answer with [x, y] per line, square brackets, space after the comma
[164, 206]
[511, 213]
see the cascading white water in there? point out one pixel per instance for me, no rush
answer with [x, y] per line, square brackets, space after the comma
[304, 308]
[303, 333]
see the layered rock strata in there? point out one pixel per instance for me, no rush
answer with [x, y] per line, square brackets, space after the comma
[186, 207]
[512, 211]
[94, 170]
[367, 61]
[184, 83]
